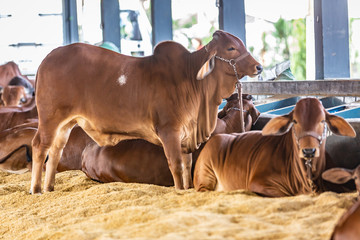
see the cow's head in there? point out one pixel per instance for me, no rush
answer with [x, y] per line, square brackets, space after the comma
[309, 121]
[343, 175]
[230, 52]
[13, 96]
[250, 113]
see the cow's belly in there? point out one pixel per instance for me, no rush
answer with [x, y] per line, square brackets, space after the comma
[111, 136]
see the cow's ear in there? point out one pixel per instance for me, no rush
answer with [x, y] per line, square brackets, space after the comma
[337, 175]
[206, 69]
[339, 126]
[255, 114]
[278, 125]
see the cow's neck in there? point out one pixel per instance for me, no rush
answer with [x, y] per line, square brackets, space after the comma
[232, 121]
[210, 92]
[295, 177]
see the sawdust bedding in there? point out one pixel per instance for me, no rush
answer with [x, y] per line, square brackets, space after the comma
[80, 208]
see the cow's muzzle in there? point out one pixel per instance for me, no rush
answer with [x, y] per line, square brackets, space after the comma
[309, 152]
[259, 69]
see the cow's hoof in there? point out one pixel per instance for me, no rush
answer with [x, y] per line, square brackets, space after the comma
[49, 189]
[35, 191]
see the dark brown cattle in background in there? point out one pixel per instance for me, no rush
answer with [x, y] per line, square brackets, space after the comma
[15, 148]
[272, 162]
[343, 175]
[170, 99]
[229, 119]
[14, 143]
[8, 71]
[13, 116]
[13, 96]
[348, 227]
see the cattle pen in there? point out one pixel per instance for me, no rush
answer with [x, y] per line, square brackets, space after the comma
[80, 208]
[320, 39]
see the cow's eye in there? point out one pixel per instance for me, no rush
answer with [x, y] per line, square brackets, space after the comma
[294, 121]
[231, 49]
[323, 121]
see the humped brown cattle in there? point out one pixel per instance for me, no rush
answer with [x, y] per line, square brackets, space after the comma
[272, 162]
[229, 117]
[348, 227]
[13, 96]
[142, 162]
[169, 99]
[8, 71]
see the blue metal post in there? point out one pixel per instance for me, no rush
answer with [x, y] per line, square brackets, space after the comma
[232, 17]
[110, 21]
[331, 39]
[161, 21]
[70, 31]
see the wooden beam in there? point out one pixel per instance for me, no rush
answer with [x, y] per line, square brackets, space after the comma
[305, 88]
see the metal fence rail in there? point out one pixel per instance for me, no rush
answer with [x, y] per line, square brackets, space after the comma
[328, 87]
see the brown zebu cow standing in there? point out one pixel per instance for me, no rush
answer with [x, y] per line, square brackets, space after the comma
[114, 97]
[348, 227]
[271, 162]
[142, 162]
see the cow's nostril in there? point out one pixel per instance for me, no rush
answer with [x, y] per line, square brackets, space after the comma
[259, 68]
[309, 152]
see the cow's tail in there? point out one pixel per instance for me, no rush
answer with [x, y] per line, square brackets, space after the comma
[28, 155]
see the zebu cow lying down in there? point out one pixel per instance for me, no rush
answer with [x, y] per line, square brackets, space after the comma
[271, 162]
[142, 162]
[15, 148]
[348, 227]
[169, 99]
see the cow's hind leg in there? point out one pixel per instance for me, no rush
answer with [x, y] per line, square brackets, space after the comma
[41, 144]
[172, 148]
[204, 175]
[55, 153]
[186, 174]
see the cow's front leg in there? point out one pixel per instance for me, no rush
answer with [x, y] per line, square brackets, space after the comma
[172, 148]
[186, 166]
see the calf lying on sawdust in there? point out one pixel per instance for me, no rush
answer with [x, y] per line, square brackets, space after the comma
[286, 158]
[348, 227]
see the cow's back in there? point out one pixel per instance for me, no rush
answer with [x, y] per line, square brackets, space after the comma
[106, 91]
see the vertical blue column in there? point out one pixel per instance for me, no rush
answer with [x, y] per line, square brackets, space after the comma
[232, 17]
[331, 39]
[161, 20]
[70, 23]
[110, 21]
